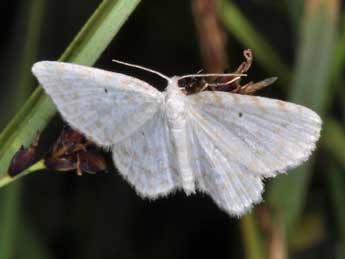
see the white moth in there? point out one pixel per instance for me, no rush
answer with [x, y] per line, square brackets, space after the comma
[219, 143]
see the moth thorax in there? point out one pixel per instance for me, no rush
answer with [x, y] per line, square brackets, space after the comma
[175, 106]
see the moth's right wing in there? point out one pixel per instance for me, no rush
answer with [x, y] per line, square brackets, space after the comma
[106, 107]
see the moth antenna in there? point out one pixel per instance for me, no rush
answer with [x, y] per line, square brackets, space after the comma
[143, 68]
[211, 74]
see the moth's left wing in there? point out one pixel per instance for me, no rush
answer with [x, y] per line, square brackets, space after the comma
[268, 136]
[222, 177]
[104, 106]
[237, 140]
[146, 158]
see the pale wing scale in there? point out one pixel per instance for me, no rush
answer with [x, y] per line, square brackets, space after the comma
[105, 106]
[225, 180]
[266, 136]
[147, 159]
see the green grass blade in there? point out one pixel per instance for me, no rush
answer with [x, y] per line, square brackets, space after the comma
[85, 49]
[309, 231]
[333, 140]
[338, 63]
[335, 179]
[10, 201]
[252, 239]
[31, 243]
[308, 88]
[295, 11]
[236, 23]
[21, 85]
[29, 50]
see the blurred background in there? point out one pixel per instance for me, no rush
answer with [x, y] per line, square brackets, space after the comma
[61, 215]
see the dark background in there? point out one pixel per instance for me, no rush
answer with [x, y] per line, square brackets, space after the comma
[62, 215]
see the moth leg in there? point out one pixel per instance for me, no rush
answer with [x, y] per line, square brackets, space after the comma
[196, 84]
[246, 65]
[80, 147]
[226, 84]
[78, 166]
[252, 87]
[242, 69]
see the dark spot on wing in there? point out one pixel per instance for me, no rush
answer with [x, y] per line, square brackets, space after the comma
[105, 90]
[240, 114]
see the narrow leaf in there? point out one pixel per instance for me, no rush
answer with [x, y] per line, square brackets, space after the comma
[310, 83]
[85, 49]
[333, 140]
[252, 240]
